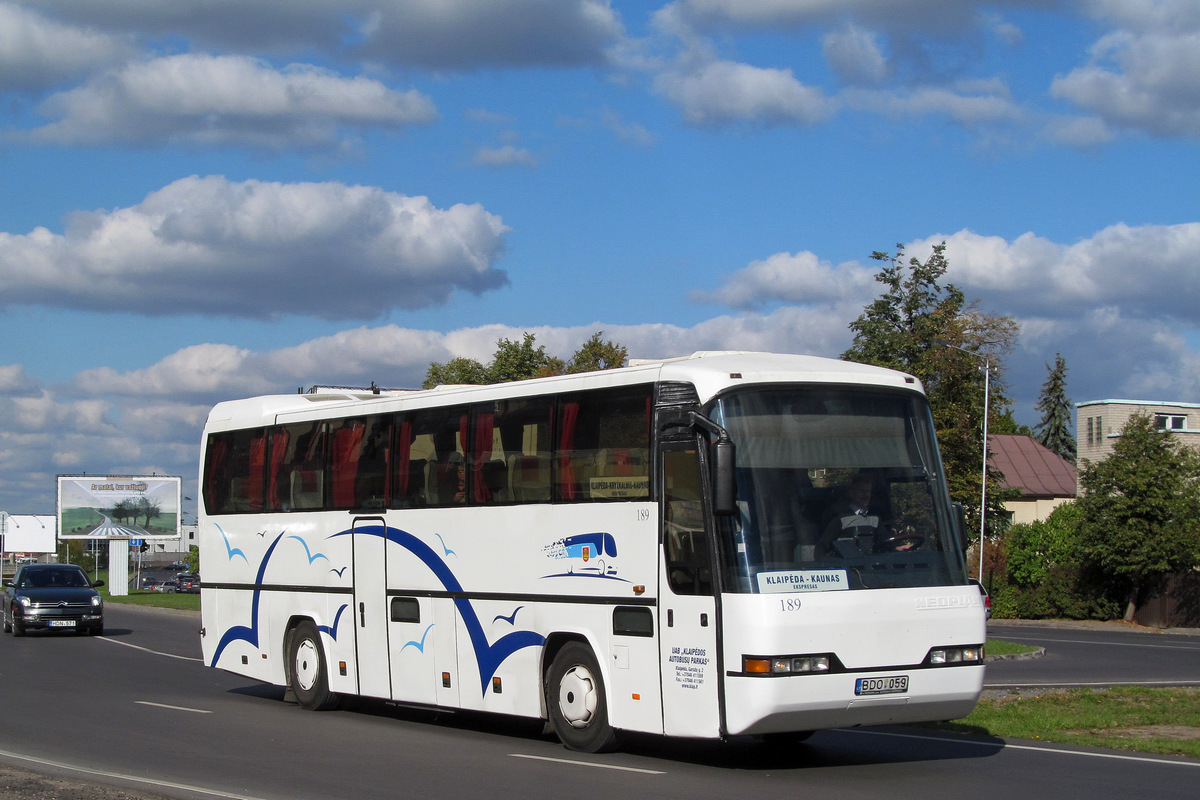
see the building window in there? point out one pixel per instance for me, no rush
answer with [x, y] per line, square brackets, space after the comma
[1170, 422]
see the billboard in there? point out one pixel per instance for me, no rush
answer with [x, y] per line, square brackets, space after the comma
[119, 506]
[28, 533]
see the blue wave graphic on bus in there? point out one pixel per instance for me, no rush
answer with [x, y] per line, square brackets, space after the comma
[489, 656]
[337, 618]
[243, 633]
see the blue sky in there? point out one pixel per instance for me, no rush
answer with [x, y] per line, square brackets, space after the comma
[209, 199]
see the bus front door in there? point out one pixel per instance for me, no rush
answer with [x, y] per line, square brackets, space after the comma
[687, 606]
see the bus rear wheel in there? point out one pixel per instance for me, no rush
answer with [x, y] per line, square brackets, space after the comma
[307, 672]
[577, 702]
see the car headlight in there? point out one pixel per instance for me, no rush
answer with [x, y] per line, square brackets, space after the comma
[25, 601]
[96, 601]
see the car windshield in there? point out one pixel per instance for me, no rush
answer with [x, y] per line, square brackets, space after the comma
[46, 578]
[838, 488]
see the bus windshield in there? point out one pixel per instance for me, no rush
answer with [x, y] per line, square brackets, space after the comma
[837, 489]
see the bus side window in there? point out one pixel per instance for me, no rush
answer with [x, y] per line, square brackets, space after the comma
[357, 462]
[603, 445]
[522, 446]
[430, 467]
[235, 471]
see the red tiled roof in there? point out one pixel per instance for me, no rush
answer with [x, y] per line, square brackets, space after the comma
[1030, 467]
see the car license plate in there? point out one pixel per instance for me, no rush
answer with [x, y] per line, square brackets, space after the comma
[62, 623]
[892, 684]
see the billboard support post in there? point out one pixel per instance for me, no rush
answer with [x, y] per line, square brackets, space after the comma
[118, 567]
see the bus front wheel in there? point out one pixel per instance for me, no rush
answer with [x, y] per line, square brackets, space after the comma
[577, 702]
[308, 675]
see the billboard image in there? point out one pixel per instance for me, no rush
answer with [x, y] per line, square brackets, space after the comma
[118, 506]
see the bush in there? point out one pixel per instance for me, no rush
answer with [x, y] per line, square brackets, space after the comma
[1041, 574]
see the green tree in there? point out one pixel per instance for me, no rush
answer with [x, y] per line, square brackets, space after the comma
[514, 361]
[597, 354]
[908, 327]
[147, 508]
[455, 371]
[1141, 510]
[1036, 548]
[1054, 431]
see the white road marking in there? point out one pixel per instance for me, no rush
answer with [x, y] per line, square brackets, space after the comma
[92, 772]
[595, 764]
[1031, 748]
[148, 650]
[173, 708]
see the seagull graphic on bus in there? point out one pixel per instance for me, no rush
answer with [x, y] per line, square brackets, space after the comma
[587, 552]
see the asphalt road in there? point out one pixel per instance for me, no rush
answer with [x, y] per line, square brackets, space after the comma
[136, 712]
[1096, 654]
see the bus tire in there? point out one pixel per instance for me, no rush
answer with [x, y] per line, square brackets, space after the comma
[307, 672]
[577, 701]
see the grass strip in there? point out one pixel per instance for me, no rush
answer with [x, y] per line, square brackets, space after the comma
[1165, 721]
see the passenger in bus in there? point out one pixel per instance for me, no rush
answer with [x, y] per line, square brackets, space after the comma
[855, 527]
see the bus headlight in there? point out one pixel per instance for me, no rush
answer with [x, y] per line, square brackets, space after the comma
[943, 656]
[787, 665]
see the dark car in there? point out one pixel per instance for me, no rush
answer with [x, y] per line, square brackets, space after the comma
[188, 582]
[52, 597]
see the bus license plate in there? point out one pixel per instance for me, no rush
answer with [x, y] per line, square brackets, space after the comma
[892, 684]
[62, 623]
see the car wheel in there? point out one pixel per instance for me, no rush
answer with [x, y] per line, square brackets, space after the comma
[7, 625]
[18, 629]
[577, 702]
[307, 672]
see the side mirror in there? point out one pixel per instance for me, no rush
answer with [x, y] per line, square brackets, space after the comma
[724, 477]
[960, 526]
[97, 583]
[723, 465]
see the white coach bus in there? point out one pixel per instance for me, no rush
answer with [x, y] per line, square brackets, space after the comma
[720, 545]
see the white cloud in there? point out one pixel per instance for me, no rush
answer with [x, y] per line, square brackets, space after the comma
[36, 53]
[438, 34]
[14, 381]
[1146, 271]
[505, 156]
[1141, 77]
[800, 279]
[1140, 81]
[726, 92]
[855, 56]
[207, 100]
[258, 250]
[926, 15]
[968, 103]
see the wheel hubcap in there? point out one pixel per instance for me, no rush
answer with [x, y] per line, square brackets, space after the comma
[307, 666]
[577, 697]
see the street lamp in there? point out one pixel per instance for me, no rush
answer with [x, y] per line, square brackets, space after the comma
[987, 395]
